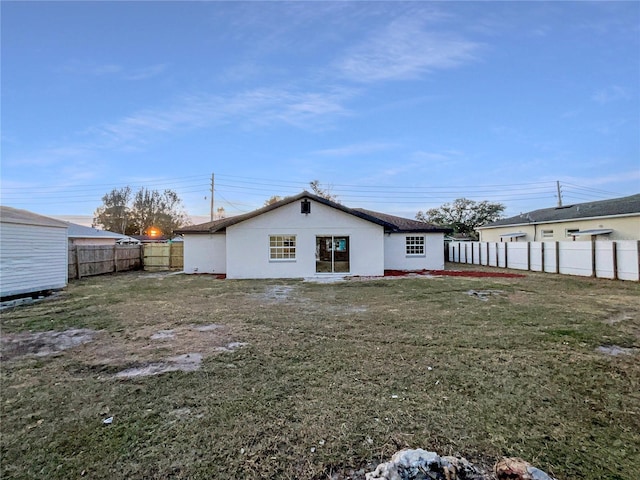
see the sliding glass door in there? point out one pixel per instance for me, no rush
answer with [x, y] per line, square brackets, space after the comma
[332, 255]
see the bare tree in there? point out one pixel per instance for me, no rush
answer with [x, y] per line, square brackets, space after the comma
[273, 199]
[323, 192]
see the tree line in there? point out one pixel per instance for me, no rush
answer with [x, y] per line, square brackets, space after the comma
[129, 213]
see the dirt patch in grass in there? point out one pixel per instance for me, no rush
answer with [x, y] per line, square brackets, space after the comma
[148, 352]
[42, 344]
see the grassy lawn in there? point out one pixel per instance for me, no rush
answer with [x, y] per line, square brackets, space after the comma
[331, 380]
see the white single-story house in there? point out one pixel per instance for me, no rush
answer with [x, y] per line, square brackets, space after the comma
[309, 236]
[612, 219]
[33, 253]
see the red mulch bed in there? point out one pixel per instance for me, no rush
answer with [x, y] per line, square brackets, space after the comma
[451, 273]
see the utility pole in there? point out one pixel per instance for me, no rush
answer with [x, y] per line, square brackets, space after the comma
[559, 193]
[212, 183]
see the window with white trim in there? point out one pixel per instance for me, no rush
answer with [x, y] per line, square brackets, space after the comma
[415, 245]
[282, 247]
[571, 231]
[547, 233]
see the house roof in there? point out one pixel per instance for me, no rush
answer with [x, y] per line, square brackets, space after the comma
[389, 222]
[402, 224]
[80, 231]
[603, 208]
[24, 217]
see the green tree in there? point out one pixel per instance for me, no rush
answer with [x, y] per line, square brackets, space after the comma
[463, 215]
[134, 214]
[114, 214]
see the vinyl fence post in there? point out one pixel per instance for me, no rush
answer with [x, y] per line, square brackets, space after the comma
[638, 257]
[557, 257]
[506, 255]
[593, 256]
[614, 256]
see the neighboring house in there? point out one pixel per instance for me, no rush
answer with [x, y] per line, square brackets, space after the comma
[81, 235]
[151, 239]
[614, 219]
[33, 253]
[128, 241]
[307, 235]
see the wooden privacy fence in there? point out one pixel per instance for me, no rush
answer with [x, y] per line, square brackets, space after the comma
[618, 260]
[88, 260]
[163, 256]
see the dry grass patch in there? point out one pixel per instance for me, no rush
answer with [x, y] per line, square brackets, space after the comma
[331, 380]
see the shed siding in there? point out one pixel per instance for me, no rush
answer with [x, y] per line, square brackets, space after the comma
[92, 241]
[205, 253]
[248, 242]
[32, 258]
[395, 257]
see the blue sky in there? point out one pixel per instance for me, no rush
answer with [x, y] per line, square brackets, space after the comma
[396, 107]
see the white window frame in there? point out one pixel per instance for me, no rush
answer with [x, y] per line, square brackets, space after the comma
[282, 247]
[571, 231]
[414, 245]
[546, 233]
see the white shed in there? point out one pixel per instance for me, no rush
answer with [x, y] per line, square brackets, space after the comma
[33, 253]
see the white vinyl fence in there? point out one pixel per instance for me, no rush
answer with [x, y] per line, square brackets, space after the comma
[618, 260]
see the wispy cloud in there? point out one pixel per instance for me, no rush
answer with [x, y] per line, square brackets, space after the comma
[598, 181]
[249, 109]
[146, 72]
[610, 94]
[90, 69]
[355, 149]
[405, 50]
[110, 69]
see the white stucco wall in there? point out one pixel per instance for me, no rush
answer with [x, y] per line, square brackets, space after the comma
[248, 242]
[205, 253]
[395, 257]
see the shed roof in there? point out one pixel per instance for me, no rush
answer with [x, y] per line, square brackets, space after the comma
[603, 208]
[80, 231]
[25, 217]
[390, 223]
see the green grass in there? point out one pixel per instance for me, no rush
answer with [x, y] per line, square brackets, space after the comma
[517, 375]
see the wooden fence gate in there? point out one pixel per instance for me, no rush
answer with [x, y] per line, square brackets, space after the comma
[163, 256]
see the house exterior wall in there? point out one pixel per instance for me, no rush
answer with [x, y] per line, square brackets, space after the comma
[624, 228]
[205, 253]
[33, 258]
[396, 258]
[248, 242]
